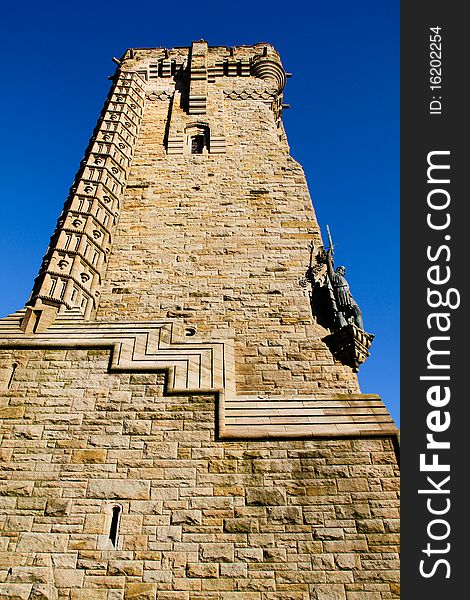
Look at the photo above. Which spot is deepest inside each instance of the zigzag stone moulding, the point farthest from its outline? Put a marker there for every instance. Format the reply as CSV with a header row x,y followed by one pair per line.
x,y
136,346
209,367
70,275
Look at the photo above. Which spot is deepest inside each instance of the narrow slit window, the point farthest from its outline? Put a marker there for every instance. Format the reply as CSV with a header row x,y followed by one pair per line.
x,y
114,527
53,285
14,366
62,291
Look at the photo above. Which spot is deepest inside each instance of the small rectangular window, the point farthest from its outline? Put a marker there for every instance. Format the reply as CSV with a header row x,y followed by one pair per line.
x,y
197,144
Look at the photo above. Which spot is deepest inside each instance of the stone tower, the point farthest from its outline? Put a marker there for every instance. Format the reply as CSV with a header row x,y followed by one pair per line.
x,y
180,416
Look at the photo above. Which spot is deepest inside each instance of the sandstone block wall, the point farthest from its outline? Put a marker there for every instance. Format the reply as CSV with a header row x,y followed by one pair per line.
x,y
172,425
201,518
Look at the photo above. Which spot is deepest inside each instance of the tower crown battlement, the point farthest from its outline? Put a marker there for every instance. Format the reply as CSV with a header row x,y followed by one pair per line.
x,y
220,61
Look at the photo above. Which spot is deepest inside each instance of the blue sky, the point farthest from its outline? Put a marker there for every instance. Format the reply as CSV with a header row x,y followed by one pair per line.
x,y
343,126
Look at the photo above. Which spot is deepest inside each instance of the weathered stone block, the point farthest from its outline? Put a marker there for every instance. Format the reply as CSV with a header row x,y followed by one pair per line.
x,y
18,523
58,507
217,552
88,456
240,525
330,592
201,570
137,427
119,489
15,591
234,570
328,533
249,555
12,412
89,594
16,488
169,533
69,578
187,517
41,591
347,561
265,496
42,542
29,575
285,514
370,526
274,555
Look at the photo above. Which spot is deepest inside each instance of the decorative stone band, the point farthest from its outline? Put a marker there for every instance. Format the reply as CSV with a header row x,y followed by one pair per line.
x,y
265,95
150,346
208,368
70,274
332,415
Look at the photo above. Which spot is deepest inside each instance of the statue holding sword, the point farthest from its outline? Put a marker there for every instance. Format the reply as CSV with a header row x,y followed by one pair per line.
x,y
344,305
